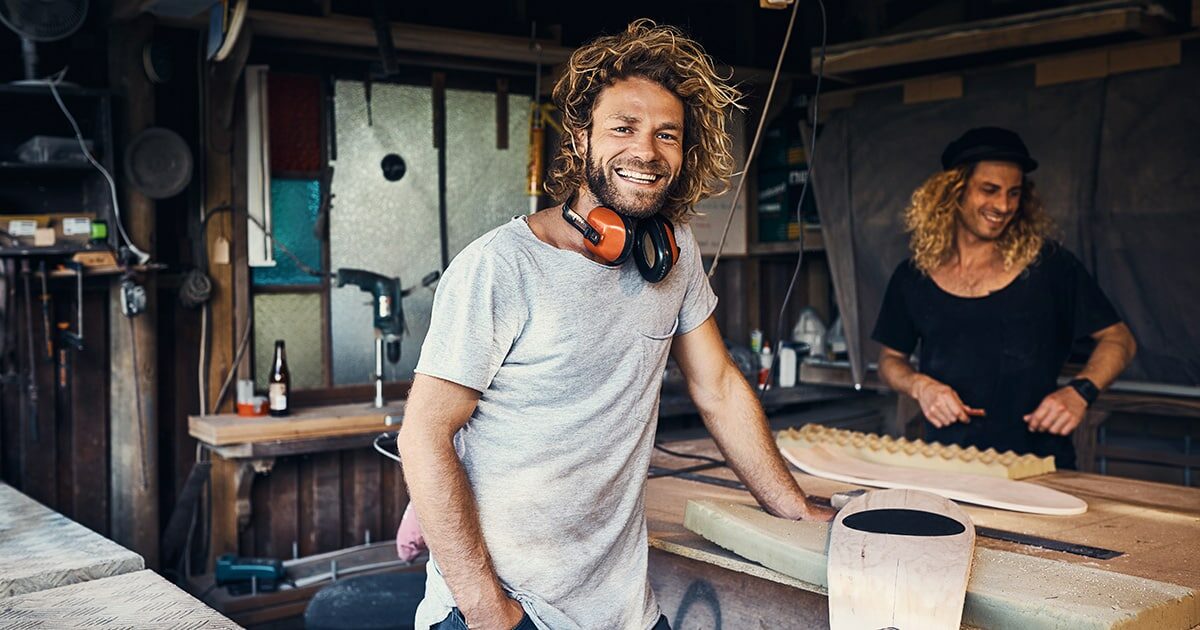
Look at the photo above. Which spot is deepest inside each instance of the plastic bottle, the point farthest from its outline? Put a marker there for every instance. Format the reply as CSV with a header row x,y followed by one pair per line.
x,y
787,367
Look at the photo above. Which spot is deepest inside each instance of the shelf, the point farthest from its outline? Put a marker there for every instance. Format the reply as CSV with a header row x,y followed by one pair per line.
x,y
304,423
25,167
813,242
53,250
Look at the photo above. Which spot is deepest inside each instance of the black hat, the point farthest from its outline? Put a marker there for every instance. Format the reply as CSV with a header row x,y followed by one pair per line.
x,y
988,143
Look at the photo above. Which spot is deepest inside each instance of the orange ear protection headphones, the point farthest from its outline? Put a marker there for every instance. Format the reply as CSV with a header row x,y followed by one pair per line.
x,y
614,238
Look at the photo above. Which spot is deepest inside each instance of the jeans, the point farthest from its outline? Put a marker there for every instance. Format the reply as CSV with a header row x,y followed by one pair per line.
x,y
455,621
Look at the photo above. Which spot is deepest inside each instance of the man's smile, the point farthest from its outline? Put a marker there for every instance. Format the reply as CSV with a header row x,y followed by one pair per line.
x,y
997,219
637,177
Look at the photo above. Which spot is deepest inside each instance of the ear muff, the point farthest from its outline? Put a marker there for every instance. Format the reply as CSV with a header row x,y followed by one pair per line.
x,y
608,235
655,251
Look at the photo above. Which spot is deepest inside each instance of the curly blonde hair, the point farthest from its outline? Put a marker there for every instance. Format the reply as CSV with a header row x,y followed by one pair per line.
x,y
662,54
931,219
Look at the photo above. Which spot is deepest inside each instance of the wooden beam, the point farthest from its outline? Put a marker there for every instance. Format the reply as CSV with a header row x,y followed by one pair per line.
x,y
345,30
134,360
1104,62
1034,29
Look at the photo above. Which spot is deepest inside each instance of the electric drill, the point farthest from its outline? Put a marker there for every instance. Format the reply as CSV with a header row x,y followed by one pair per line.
x,y
389,317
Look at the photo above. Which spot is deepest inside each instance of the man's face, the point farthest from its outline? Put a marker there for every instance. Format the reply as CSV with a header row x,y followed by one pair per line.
x,y
634,147
991,199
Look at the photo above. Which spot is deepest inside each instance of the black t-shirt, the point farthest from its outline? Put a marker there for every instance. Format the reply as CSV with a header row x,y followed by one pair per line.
x,y
1001,352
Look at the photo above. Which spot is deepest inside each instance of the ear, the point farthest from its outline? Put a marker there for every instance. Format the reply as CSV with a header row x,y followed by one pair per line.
x,y
579,142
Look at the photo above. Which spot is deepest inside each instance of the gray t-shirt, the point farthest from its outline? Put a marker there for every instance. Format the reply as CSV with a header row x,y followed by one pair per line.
x,y
569,357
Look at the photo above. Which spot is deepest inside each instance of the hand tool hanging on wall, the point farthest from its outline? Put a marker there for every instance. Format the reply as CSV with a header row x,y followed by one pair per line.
x,y
31,389
45,299
75,339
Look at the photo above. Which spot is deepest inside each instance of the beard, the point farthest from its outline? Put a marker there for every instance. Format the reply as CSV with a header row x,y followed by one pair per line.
x,y
639,204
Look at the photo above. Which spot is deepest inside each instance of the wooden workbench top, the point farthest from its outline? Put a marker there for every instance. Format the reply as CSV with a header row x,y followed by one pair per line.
x,y
304,423
1155,526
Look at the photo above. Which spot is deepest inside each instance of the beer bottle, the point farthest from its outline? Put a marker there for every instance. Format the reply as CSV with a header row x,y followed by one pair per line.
x,y
280,384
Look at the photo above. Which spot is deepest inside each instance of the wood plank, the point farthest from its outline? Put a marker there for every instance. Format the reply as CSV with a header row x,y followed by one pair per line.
x,y
361,512
303,423
223,525
89,390
327,501
884,574
1020,496
1005,590
394,497
1033,29
930,89
1079,67
283,508
1153,55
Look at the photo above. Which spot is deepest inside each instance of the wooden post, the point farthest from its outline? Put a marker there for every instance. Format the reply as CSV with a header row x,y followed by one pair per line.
x,y
225,198
134,359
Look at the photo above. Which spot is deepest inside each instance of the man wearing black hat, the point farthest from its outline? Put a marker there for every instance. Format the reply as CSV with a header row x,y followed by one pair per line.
x,y
994,306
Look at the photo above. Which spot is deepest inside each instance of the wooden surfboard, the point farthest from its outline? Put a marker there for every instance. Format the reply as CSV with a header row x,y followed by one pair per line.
x,y
899,559
1006,494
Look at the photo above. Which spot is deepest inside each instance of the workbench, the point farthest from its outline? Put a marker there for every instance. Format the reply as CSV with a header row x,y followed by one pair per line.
x,y
243,447
42,549
701,585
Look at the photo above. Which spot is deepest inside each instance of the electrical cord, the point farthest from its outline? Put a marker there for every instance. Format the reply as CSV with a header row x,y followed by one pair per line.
x,y
52,83
283,248
237,360
196,289
762,120
812,150
703,458
382,451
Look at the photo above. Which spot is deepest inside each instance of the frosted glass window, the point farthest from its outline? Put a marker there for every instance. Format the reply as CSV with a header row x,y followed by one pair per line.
x,y
296,319
391,228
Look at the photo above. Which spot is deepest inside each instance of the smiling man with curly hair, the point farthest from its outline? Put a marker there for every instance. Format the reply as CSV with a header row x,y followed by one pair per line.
x,y
528,431
994,306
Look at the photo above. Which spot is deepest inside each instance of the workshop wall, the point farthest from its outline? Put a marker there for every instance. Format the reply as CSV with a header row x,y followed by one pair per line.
x,y
57,449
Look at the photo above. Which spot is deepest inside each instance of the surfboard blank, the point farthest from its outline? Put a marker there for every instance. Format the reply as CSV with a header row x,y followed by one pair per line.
x,y
1006,494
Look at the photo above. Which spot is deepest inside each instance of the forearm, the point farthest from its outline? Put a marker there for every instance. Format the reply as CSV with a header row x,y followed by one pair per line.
x,y
1114,350
736,421
900,375
445,505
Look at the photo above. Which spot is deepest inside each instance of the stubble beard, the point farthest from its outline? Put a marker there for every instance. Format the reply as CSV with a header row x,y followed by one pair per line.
x,y
636,205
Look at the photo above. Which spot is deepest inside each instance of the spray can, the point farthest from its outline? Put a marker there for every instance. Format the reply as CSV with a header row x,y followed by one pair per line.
x,y
764,372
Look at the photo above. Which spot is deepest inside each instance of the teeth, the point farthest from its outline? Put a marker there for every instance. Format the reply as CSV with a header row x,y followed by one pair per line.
x,y
645,178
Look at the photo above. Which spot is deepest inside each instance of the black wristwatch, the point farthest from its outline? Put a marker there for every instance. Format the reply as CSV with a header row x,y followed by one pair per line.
x,y
1086,388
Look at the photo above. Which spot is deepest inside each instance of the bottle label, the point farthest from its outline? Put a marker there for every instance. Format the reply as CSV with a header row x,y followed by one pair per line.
x,y
277,393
